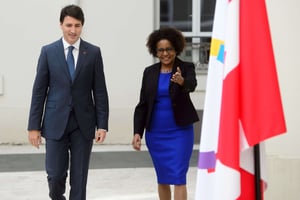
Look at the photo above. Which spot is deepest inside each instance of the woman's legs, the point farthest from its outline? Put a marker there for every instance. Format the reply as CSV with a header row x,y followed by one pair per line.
x,y
180,192
164,192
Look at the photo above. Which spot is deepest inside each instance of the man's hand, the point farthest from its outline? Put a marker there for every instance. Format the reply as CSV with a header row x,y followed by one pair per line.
x,y
34,137
100,135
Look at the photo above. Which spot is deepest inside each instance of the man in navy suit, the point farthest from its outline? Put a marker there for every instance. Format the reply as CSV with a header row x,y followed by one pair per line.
x,y
68,108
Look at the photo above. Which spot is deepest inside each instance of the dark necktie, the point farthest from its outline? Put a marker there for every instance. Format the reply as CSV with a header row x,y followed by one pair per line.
x,y
70,61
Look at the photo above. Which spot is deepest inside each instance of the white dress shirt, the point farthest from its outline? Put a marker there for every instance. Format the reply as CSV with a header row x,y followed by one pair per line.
x,y
75,50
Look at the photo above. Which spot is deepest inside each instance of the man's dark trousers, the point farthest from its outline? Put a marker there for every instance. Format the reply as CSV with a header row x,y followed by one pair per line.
x,y
73,147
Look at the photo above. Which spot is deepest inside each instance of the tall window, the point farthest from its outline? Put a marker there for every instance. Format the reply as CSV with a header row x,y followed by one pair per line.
x,y
195,19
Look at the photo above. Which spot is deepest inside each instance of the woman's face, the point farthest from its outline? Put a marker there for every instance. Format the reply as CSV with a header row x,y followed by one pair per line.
x,y
165,52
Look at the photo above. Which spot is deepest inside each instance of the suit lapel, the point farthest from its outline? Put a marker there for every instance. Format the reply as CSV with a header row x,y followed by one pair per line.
x,y
154,77
61,57
81,57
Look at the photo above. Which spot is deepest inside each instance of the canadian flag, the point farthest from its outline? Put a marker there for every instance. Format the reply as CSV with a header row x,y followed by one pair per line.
x,y
242,104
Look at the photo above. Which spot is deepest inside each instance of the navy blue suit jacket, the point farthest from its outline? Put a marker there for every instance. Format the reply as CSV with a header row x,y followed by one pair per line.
x,y
54,94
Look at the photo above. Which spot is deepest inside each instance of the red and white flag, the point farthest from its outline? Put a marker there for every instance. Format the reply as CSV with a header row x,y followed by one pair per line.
x,y
242,104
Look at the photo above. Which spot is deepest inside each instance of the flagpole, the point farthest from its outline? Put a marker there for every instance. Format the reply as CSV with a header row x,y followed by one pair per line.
x,y
258,194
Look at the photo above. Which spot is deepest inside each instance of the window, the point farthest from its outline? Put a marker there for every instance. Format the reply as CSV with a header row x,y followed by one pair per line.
x,y
195,19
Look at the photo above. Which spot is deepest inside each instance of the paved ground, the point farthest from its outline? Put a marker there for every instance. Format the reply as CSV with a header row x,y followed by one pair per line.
x,y
116,173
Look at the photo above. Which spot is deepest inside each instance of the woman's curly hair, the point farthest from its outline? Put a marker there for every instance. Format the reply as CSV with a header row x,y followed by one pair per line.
x,y
174,36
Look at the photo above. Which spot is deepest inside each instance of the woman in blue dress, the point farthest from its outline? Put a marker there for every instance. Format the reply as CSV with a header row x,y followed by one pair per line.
x,y
166,113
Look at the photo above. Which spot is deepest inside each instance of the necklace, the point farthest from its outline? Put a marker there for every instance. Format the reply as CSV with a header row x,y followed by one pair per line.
x,y
165,70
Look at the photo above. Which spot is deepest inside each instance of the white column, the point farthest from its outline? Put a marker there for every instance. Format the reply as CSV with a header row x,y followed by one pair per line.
x,y
1,85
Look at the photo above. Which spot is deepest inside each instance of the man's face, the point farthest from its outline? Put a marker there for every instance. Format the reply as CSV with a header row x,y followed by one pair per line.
x,y
71,29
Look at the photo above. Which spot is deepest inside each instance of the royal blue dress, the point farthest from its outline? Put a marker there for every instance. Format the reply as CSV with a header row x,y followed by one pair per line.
x,y
170,146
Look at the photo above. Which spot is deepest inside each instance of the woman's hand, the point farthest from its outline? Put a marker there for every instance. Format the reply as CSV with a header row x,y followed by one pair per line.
x,y
177,78
136,142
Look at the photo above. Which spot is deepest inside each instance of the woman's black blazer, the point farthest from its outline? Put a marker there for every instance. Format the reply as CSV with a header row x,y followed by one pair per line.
x,y
183,108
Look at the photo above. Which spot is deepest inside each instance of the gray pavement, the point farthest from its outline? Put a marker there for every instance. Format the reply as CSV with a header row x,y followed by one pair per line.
x,y
116,173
